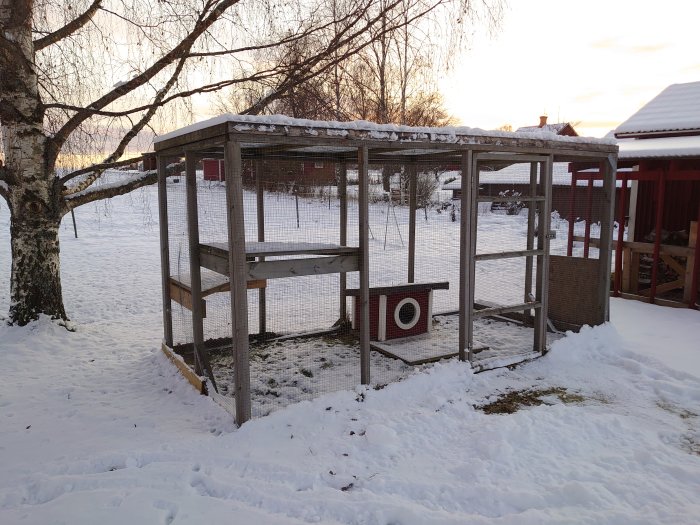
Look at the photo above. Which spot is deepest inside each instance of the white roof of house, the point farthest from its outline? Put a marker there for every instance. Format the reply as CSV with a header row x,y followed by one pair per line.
x,y
520,174
684,146
515,174
554,128
676,108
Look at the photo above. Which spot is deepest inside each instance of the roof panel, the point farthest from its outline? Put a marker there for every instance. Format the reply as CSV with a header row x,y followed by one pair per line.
x,y
676,108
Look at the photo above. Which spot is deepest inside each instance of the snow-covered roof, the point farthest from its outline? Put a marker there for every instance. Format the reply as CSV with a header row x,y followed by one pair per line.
x,y
515,174
456,135
675,109
554,128
520,174
683,146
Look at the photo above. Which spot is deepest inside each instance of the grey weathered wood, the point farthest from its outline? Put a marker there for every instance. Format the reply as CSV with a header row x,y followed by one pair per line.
x,y
305,135
609,170
260,200
343,197
412,204
164,251
300,267
202,366
237,272
466,263
486,312
400,288
485,158
506,255
510,199
258,249
473,221
531,209
363,212
542,278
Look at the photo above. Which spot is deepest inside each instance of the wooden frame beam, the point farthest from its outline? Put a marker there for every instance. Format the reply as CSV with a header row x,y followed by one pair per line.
x,y
237,273
363,175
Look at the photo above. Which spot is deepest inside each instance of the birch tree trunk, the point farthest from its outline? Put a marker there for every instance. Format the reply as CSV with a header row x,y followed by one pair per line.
x,y
35,207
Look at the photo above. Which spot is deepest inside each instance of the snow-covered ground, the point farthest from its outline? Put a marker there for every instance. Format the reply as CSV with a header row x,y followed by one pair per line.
x,y
97,426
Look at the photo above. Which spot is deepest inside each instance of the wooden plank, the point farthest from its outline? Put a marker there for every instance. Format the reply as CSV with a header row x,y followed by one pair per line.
x,y
664,287
199,383
506,255
363,233
183,296
343,197
644,247
466,262
164,249
412,203
530,243
280,249
542,277
260,209
690,263
498,310
658,301
626,269
634,271
202,365
401,288
609,170
237,271
674,265
299,267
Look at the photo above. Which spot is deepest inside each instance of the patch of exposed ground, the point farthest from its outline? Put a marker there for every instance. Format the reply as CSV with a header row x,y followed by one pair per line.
x,y
511,402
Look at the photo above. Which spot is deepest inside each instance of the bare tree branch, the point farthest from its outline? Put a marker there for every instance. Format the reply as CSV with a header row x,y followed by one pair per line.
x,y
69,28
99,168
98,193
135,129
206,19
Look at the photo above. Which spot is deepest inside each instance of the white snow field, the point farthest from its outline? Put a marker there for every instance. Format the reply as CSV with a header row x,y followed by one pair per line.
x,y
97,427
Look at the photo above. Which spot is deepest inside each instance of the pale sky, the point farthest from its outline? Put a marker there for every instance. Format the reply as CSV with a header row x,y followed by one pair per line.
x,y
595,62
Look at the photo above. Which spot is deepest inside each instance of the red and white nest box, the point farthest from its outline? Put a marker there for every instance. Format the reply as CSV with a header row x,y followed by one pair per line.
x,y
397,311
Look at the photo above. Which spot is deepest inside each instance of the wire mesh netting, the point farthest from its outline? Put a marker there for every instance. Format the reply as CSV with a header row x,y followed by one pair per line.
x,y
300,346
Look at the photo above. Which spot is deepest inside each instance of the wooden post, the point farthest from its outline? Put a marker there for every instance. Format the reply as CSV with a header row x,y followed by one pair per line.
x,y
412,203
343,197
620,236
260,201
542,277
660,197
696,265
202,366
608,169
363,175
531,208
572,216
466,260
589,210
237,278
164,251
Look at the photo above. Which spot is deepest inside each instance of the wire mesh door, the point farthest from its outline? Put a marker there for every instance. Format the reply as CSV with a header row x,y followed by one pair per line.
x,y
508,259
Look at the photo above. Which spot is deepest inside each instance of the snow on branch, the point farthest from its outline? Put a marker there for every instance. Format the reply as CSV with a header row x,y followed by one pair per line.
x,y
98,168
112,189
69,28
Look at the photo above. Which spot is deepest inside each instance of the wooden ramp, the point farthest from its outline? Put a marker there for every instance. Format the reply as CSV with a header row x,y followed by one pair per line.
x,y
508,343
421,349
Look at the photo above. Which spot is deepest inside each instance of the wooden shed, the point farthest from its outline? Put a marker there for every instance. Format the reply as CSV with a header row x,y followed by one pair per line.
x,y
659,260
